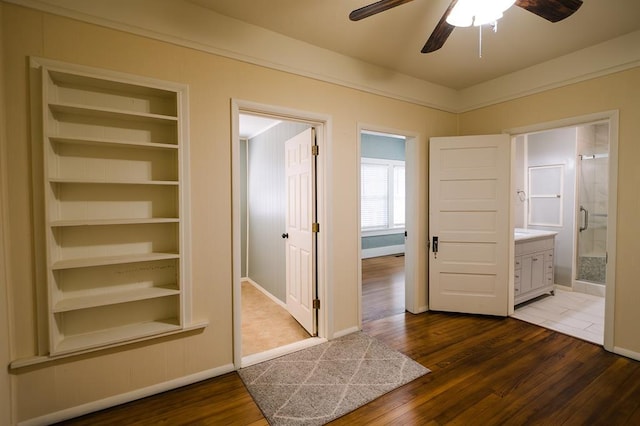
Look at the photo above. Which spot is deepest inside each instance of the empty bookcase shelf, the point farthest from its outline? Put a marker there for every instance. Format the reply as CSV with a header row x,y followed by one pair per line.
x,y
114,190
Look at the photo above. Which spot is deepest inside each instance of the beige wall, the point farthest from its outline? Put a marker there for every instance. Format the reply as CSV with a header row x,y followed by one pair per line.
x,y
5,358
620,91
213,81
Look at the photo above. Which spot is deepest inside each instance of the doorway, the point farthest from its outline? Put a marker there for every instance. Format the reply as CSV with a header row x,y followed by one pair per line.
x,y
382,224
265,323
392,259
584,153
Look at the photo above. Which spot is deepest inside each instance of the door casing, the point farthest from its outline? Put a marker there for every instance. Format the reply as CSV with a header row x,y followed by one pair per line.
x,y
322,123
415,208
612,117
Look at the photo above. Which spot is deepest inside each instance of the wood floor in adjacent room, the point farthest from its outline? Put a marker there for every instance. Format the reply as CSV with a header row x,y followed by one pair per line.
x,y
485,371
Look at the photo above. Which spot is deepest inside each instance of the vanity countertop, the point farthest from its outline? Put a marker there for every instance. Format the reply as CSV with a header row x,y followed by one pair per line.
x,y
520,234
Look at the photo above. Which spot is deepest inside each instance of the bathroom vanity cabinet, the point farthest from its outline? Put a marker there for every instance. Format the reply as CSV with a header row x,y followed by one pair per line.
x,y
534,266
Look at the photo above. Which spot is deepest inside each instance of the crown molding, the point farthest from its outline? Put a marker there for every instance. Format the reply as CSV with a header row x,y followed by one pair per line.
x,y
187,24
609,57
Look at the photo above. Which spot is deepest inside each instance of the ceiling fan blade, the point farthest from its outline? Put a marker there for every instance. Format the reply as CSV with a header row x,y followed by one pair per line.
x,y
373,8
551,10
440,33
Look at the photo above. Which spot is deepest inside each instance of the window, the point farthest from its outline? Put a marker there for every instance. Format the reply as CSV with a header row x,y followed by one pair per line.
x,y
382,194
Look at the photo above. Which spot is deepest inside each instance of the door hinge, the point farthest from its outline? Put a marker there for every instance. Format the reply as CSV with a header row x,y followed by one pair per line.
x,y
314,150
315,227
316,303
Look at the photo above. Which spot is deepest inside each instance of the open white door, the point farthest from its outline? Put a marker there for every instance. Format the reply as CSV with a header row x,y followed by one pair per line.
x,y
299,233
469,224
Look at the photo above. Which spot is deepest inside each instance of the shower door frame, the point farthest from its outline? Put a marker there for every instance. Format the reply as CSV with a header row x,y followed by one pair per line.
x,y
612,117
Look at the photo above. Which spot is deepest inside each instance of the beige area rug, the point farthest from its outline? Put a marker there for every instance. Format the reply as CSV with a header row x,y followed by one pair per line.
x,y
265,324
321,383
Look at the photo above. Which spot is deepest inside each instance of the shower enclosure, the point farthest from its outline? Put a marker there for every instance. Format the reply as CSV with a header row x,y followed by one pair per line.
x,y
592,207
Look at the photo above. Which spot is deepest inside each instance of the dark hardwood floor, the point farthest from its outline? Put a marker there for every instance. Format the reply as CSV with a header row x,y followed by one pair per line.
x,y
485,371
382,287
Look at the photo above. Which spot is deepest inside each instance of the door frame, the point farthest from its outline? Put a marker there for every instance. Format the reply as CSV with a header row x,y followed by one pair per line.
x,y
415,208
322,123
612,117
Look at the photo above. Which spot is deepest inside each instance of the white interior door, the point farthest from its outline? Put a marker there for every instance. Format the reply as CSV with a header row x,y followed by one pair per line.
x,y
300,241
469,217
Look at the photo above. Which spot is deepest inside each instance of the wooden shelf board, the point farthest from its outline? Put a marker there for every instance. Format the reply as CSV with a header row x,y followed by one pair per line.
x,y
104,299
112,142
104,222
115,335
111,260
123,182
111,113
63,78
17,364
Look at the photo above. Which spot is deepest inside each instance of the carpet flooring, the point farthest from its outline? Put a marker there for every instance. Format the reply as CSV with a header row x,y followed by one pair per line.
x,y
318,384
265,324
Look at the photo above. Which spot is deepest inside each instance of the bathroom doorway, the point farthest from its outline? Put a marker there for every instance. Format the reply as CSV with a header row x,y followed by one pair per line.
x,y
578,211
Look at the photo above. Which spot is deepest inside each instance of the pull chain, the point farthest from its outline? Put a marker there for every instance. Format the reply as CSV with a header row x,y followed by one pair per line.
x,y
494,26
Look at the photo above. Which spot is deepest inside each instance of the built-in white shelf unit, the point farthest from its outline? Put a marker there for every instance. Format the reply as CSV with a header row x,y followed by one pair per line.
x,y
114,152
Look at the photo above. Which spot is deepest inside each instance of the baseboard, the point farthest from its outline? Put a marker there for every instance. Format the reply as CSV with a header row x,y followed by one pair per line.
x,y
627,353
112,401
280,351
382,251
266,293
345,332
420,310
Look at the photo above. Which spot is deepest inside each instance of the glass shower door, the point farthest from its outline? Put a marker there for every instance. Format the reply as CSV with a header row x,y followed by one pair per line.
x,y
593,172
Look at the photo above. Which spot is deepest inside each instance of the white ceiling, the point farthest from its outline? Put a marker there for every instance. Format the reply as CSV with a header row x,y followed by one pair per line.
x,y
252,125
393,39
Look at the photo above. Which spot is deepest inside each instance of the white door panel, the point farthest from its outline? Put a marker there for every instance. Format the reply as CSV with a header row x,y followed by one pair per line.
x,y
299,244
469,213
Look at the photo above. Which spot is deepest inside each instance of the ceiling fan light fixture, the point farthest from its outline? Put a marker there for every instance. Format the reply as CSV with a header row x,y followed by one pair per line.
x,y
477,12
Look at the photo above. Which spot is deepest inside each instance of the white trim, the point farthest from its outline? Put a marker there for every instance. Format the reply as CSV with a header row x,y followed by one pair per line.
x,y
280,351
265,292
421,309
382,251
627,353
214,33
323,135
122,398
612,56
380,232
42,359
612,116
346,332
612,227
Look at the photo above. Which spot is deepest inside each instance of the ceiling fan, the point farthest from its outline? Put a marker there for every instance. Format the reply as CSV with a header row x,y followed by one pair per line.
x,y
551,10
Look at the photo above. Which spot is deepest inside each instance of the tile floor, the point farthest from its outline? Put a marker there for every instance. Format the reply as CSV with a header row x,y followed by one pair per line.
x,y
576,314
